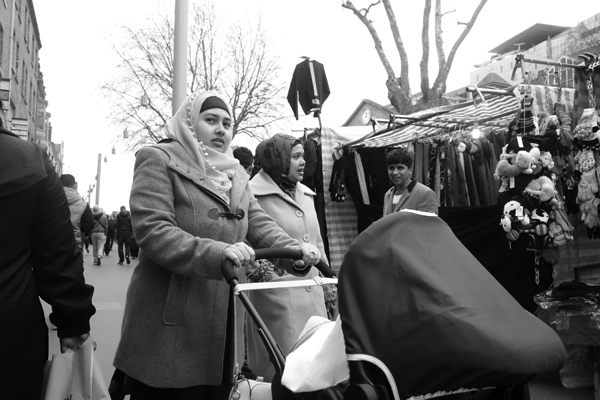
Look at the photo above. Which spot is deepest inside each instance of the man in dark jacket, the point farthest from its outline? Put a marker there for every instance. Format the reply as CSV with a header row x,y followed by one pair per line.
x,y
110,232
124,232
39,258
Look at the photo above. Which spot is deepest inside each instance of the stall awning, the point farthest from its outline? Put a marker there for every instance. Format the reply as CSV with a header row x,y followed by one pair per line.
x,y
496,111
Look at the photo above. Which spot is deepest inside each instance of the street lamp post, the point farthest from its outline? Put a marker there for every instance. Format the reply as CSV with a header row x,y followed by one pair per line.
x,y
98,172
180,54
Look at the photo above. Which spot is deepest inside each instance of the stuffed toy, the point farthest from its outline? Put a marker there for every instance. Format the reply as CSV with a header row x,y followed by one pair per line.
x,y
523,161
542,188
546,160
515,216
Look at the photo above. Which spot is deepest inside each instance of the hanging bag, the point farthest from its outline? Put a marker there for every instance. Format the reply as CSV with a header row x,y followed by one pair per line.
x,y
318,360
75,375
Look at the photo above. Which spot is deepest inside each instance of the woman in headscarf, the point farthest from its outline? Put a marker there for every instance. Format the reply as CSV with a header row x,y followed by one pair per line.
x,y
191,209
279,192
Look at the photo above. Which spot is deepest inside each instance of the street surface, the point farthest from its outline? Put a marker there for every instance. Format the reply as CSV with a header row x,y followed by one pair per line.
x,y
111,281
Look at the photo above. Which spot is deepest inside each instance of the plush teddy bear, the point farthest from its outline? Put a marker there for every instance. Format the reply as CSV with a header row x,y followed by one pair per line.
x,y
523,160
542,188
546,160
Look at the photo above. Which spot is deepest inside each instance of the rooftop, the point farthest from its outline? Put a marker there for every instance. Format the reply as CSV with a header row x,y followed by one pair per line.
x,y
530,37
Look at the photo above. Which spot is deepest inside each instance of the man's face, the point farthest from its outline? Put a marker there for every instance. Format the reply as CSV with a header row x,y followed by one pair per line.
x,y
399,174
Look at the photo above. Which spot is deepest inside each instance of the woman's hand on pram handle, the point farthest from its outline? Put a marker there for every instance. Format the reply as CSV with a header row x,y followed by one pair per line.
x,y
291,253
240,254
310,256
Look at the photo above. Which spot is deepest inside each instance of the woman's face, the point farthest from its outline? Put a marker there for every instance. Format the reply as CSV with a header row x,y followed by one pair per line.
x,y
214,129
297,164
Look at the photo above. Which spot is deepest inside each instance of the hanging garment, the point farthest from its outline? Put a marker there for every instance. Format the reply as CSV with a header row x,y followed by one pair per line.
x,y
437,187
461,186
470,177
418,162
360,174
308,87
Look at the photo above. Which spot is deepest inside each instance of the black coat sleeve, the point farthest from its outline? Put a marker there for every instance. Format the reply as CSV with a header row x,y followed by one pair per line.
x,y
87,221
58,262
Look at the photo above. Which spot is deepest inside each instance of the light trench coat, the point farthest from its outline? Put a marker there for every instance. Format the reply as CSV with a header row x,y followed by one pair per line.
x,y
175,321
285,311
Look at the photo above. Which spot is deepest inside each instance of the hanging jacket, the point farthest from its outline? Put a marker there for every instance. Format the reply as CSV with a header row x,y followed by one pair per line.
x,y
302,87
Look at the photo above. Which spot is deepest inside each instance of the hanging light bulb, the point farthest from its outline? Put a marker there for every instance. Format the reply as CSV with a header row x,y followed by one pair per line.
x,y
105,159
125,133
476,133
114,151
145,101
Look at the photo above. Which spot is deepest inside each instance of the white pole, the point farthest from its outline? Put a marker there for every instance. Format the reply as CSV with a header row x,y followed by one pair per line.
x,y
180,54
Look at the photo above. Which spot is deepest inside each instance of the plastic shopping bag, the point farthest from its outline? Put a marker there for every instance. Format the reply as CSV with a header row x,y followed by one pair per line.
x,y
318,360
75,375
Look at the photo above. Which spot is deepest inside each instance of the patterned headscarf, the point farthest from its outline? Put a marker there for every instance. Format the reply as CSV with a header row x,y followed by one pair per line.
x,y
219,167
274,156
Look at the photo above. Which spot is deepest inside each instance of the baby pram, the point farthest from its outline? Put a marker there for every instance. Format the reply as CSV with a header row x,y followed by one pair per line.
x,y
422,319
276,356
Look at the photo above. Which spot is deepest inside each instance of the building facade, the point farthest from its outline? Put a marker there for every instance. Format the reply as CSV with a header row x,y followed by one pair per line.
x,y
544,43
22,95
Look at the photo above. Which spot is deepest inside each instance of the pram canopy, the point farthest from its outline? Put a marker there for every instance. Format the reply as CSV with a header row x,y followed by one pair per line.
x,y
413,296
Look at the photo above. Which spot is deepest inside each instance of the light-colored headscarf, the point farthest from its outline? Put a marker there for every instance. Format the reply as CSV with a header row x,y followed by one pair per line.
x,y
219,167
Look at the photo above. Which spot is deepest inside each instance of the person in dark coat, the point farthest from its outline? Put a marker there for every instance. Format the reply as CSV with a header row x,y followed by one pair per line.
x,y
124,234
39,258
110,232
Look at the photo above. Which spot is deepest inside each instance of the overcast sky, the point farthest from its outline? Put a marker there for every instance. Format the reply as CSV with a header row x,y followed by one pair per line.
x,y
76,59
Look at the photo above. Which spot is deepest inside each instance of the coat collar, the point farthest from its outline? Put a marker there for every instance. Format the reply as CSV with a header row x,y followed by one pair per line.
x,y
262,185
180,161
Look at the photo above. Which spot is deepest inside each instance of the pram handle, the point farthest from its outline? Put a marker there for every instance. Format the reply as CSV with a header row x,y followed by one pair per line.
x,y
229,271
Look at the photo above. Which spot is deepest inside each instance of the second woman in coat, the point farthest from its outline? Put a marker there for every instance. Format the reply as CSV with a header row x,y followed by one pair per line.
x,y
279,192
191,209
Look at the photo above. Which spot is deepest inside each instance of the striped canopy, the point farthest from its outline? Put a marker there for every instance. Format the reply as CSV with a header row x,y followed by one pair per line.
x,y
497,111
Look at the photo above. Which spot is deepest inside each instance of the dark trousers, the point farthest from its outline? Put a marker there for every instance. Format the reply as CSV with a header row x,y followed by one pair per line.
x,y
123,238
108,245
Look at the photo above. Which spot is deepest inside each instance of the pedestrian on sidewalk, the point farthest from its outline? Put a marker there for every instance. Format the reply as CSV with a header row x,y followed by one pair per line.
x,y
191,209
110,232
124,234
98,234
39,258
82,218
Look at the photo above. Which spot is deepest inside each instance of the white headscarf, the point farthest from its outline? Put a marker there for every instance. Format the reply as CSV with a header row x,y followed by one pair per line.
x,y
219,167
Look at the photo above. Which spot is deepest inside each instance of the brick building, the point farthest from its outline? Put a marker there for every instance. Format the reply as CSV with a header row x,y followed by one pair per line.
x,y
22,95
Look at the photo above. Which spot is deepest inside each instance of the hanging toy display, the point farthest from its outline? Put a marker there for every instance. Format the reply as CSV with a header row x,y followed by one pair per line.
x,y
539,214
587,144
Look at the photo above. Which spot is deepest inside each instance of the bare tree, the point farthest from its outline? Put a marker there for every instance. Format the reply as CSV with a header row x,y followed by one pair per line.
x,y
582,39
399,91
235,63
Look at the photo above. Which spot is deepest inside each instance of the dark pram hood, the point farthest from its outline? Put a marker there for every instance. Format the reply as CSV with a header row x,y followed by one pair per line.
x,y
413,296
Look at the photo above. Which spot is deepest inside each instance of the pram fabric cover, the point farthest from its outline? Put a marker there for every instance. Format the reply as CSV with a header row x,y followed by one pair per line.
x,y
413,296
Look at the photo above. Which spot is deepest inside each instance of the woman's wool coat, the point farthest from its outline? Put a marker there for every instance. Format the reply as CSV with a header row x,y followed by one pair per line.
x,y
175,320
285,311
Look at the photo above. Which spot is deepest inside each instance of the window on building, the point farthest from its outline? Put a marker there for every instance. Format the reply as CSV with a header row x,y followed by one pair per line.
x,y
23,80
26,35
1,44
17,51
